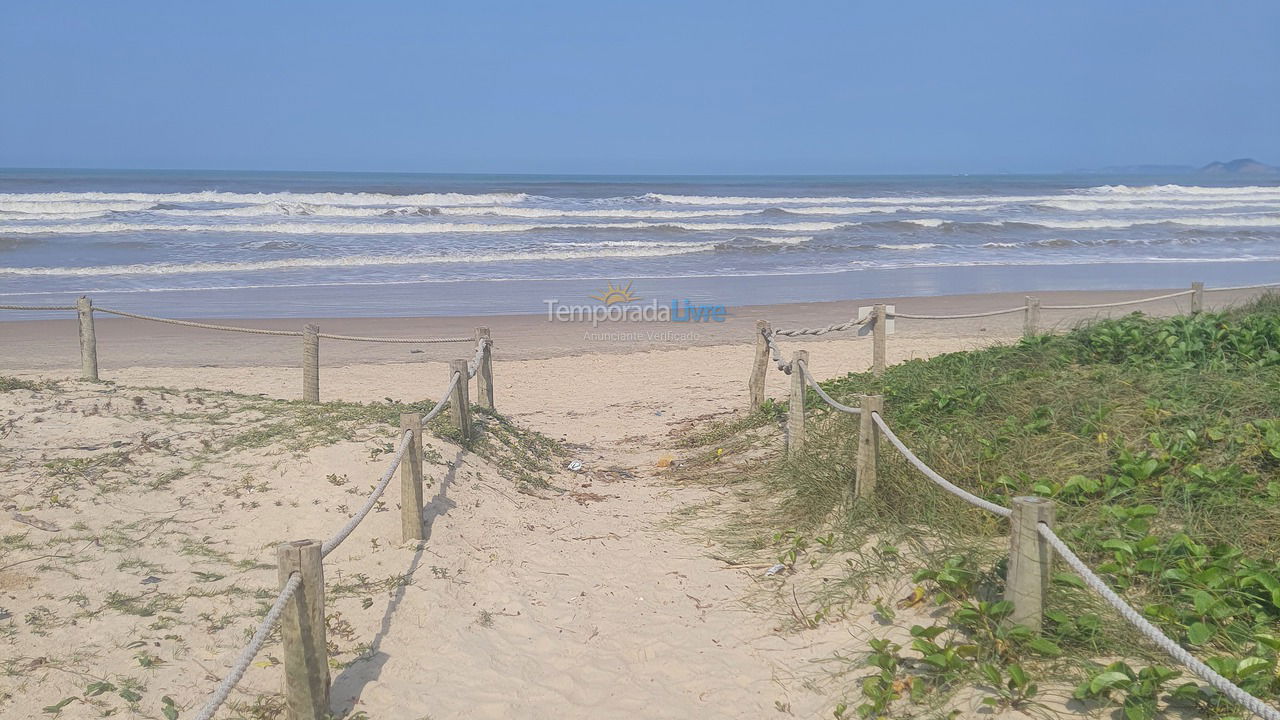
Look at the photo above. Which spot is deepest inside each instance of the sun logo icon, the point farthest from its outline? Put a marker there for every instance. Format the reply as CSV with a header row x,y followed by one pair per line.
x,y
614,295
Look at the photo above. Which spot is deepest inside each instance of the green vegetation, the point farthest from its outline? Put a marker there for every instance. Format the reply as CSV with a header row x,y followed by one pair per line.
x,y
8,384
1159,439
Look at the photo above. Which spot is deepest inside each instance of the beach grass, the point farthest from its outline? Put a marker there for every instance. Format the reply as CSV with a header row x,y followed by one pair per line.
x,y
1158,440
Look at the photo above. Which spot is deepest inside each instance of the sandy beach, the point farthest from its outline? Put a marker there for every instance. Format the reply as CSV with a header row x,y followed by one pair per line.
x,y
592,600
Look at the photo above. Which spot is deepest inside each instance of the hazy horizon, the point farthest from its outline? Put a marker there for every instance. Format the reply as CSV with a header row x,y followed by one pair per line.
x,y
1136,169
664,88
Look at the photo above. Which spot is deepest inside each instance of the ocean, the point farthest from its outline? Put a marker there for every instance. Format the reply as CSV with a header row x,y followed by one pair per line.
x,y
277,244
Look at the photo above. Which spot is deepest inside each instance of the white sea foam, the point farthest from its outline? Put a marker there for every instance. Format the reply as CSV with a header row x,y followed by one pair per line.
x,y
64,216
1083,205
1161,190
213,196
407,228
908,246
58,207
500,211
1269,220
586,253
829,201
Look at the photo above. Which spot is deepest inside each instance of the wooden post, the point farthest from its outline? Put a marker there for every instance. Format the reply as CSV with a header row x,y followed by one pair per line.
x,y
795,406
755,386
1197,298
879,331
484,373
864,481
411,480
88,340
311,363
302,630
1031,316
1030,560
460,401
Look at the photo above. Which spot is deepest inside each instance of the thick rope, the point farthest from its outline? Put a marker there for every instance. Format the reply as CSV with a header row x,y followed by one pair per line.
x,y
251,650
989,313
403,341
1152,633
407,439
804,370
1243,287
206,326
332,543
444,400
837,327
934,476
36,308
776,352
1117,304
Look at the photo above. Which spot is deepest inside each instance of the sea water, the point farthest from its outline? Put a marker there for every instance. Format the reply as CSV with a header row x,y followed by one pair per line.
x,y
230,244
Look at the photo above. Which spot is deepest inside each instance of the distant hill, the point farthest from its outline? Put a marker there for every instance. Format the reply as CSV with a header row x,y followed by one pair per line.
x,y
1242,166
1137,170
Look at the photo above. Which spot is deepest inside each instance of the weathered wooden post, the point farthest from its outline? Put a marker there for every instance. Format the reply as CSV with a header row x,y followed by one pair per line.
x,y
880,331
484,372
460,399
88,340
755,386
1197,298
411,480
311,363
302,630
864,480
1031,316
795,406
1030,560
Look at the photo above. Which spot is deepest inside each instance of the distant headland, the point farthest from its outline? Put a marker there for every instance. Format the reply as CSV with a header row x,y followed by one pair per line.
x,y
1239,167
1242,166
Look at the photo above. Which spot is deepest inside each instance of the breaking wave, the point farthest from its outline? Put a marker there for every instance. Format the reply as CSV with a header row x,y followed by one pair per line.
x,y
585,253
406,228
213,196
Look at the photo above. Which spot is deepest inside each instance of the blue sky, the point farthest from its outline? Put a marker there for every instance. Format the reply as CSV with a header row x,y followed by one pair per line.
x,y
644,87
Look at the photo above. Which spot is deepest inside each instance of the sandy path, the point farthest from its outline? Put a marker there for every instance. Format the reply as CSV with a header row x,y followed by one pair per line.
x,y
564,608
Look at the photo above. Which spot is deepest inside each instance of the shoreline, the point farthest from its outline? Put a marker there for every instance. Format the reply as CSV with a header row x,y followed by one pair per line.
x,y
38,345
464,297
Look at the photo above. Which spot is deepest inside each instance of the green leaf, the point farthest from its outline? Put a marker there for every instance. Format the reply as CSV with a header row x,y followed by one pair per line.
x,y
1199,633
1107,681
130,695
97,688
57,708
1045,647
1139,708
1066,578
1251,665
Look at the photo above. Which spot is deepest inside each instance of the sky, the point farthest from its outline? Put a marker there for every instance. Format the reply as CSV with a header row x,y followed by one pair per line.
x,y
654,87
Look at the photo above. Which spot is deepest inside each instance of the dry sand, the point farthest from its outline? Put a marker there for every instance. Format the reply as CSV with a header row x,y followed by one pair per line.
x,y
162,519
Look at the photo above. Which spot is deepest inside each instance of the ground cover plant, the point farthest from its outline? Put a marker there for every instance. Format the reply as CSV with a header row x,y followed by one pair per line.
x,y
1159,440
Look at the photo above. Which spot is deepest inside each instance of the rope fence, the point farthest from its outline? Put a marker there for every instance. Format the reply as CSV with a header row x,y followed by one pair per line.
x,y
250,651
301,566
879,323
1032,539
298,608
310,334
1121,303
1153,633
37,308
